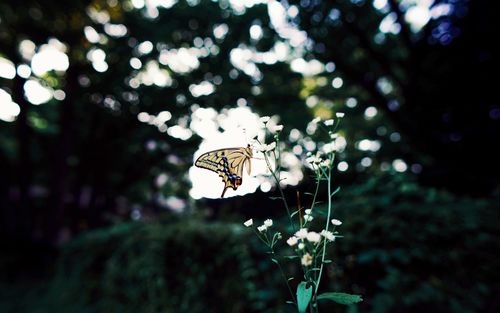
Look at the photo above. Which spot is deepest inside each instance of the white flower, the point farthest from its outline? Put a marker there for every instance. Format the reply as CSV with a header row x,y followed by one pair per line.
x,y
314,159
308,218
307,211
248,223
313,237
336,222
334,136
266,148
301,246
325,163
265,119
328,122
328,235
262,228
340,114
306,260
276,129
316,120
292,241
301,233
268,223
261,147
271,146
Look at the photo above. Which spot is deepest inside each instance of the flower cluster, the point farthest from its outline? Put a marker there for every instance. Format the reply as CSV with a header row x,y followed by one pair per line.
x,y
263,233
273,128
307,242
309,246
267,224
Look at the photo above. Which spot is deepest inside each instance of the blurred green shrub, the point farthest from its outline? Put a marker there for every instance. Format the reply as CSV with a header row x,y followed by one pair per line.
x,y
407,249
176,266
414,249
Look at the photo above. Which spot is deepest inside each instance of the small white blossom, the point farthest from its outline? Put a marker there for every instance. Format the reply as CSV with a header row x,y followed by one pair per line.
x,y
314,159
336,222
328,235
248,223
301,246
266,148
313,237
308,211
340,114
260,147
278,128
325,163
328,122
301,233
308,218
316,120
306,260
268,223
334,136
262,228
292,241
265,119
271,146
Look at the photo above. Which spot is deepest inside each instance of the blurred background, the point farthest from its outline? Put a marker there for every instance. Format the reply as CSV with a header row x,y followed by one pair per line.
x,y
104,104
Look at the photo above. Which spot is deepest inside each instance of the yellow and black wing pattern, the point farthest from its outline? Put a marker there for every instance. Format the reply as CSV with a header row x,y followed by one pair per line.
x,y
228,163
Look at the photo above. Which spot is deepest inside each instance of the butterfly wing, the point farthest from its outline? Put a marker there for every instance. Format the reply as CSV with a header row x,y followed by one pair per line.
x,y
228,164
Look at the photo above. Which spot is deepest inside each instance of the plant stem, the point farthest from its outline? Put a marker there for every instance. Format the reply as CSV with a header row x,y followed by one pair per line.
x,y
284,276
273,173
315,193
329,180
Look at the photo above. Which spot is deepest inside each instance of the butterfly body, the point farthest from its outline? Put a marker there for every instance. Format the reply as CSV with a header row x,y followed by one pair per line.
x,y
228,164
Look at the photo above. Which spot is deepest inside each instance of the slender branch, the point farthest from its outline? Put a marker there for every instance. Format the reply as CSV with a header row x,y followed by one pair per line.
x,y
280,189
318,182
284,276
326,229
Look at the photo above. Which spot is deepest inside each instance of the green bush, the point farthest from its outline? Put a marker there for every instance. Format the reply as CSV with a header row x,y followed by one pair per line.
x,y
406,249
160,267
413,249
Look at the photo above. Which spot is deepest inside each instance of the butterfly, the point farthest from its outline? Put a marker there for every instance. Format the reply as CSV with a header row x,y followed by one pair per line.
x,y
228,163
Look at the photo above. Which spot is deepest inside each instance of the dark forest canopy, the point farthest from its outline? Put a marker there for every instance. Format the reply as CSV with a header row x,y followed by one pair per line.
x,y
414,81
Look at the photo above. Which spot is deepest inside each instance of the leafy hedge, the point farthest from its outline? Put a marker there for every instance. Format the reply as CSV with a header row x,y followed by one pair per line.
x,y
413,249
160,267
406,249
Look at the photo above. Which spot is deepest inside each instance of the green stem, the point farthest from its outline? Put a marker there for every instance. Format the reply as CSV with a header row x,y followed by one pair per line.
x,y
273,173
316,192
284,276
326,229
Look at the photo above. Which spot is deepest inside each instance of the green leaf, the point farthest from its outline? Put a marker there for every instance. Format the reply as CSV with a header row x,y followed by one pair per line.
x,y
291,257
314,269
327,261
275,198
340,297
303,296
275,261
291,215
